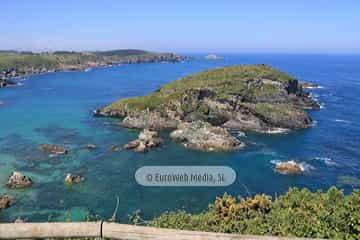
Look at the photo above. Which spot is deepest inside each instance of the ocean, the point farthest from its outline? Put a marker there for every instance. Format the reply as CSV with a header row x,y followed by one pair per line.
x,y
57,108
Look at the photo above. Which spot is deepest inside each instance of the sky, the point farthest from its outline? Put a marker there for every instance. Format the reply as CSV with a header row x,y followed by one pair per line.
x,y
284,26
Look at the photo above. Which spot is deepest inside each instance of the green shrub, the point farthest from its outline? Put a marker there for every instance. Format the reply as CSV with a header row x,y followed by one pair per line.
x,y
298,213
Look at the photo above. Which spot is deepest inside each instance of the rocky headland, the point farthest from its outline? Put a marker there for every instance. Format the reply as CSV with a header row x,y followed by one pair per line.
x,y
242,97
18,64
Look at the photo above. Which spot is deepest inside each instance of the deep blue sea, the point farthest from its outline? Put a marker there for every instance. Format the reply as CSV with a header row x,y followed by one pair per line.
x,y
56,108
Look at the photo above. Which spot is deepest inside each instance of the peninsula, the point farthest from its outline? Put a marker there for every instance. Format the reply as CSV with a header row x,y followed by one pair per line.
x,y
202,107
17,64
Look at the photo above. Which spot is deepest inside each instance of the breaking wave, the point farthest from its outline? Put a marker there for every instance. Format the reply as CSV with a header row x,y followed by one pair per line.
x,y
342,121
275,130
327,161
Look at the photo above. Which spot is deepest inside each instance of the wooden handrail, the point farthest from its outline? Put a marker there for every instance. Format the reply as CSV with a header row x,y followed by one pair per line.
x,y
111,231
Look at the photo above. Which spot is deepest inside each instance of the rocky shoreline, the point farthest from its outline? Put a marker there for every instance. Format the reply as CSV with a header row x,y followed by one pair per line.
x,y
242,98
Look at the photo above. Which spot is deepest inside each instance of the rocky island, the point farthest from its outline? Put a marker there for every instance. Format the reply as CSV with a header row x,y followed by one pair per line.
x,y
17,64
213,57
242,97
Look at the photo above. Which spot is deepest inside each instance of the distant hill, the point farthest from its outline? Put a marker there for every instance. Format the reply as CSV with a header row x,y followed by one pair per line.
x,y
14,63
121,52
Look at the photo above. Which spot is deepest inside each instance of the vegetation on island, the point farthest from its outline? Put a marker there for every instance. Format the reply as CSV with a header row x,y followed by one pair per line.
x,y
226,82
253,97
299,212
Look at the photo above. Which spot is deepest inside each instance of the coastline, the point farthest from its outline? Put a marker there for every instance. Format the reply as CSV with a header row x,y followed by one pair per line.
x,y
79,61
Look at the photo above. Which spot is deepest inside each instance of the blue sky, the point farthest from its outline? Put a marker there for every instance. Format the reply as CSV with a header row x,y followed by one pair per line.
x,y
293,26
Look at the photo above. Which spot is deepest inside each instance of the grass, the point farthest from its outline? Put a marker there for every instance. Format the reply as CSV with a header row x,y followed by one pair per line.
x,y
224,81
151,102
227,79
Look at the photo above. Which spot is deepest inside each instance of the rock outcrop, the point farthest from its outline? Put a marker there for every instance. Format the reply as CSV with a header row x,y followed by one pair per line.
x,y
243,98
149,120
19,220
289,168
6,83
213,57
114,148
18,180
249,97
309,85
90,146
205,137
147,139
5,201
50,148
72,178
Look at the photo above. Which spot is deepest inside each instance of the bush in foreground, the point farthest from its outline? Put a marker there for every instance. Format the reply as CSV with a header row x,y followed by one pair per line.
x,y
298,213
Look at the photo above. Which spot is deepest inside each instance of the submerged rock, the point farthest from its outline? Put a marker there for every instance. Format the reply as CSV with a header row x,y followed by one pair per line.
x,y
6,83
147,139
90,146
114,148
72,178
53,149
18,180
289,168
205,137
5,201
19,220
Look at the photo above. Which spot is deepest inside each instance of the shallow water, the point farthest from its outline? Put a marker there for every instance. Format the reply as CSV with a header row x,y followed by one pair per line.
x,y
56,108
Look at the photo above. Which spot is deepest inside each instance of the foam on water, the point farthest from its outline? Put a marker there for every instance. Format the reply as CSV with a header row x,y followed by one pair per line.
x,y
241,134
276,131
342,121
327,161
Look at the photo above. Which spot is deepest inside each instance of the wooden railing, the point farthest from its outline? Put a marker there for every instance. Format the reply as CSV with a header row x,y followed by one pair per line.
x,y
108,230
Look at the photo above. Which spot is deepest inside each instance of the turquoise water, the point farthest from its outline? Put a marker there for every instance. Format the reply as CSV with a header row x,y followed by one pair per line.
x,y
56,108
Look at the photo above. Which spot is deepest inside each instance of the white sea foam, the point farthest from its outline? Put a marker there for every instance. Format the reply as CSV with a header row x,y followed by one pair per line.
x,y
276,162
275,130
315,96
306,167
241,134
327,161
342,121
314,123
315,87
